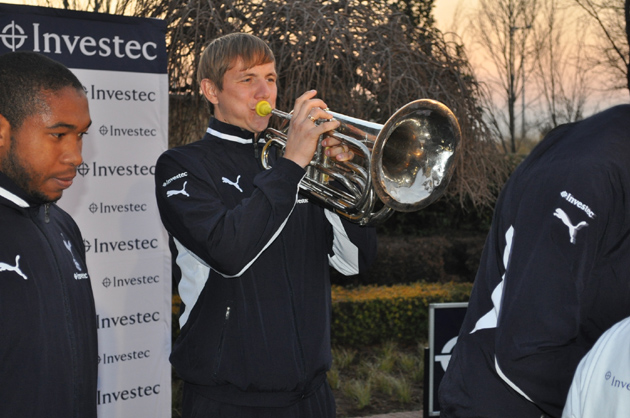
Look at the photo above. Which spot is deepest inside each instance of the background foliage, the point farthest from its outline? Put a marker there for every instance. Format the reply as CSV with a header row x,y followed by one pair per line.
x,y
366,58
373,315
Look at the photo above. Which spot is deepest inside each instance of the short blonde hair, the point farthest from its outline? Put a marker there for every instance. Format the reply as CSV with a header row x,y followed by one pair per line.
x,y
220,55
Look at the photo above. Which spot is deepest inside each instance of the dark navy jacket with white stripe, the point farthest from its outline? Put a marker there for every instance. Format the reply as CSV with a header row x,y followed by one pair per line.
x,y
554,275
48,349
253,258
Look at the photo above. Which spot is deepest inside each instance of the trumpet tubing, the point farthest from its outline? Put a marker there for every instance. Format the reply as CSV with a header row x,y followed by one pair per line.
x,y
403,165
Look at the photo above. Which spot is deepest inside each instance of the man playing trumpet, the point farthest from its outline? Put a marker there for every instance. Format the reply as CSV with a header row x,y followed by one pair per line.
x,y
253,255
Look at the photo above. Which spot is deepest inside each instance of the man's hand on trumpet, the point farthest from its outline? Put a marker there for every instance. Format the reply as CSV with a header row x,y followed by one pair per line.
x,y
304,132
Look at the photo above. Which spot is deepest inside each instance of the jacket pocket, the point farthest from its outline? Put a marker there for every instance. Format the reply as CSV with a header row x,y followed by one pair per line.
x,y
220,347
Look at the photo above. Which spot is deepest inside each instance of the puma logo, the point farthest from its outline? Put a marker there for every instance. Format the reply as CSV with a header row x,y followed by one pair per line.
x,y
15,269
233,183
182,191
559,213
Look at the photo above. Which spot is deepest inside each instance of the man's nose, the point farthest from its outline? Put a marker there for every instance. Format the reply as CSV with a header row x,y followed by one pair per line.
x,y
263,89
72,153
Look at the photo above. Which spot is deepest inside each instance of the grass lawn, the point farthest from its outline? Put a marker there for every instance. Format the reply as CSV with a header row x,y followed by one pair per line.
x,y
367,381
376,380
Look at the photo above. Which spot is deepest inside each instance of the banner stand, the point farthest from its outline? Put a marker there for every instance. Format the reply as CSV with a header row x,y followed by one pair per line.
x,y
121,62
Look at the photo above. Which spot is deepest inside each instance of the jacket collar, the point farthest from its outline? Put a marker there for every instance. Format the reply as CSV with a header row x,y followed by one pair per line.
x,y
231,133
9,191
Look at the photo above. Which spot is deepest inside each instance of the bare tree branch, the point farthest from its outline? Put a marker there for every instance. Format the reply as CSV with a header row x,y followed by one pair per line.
x,y
610,17
501,28
366,58
561,70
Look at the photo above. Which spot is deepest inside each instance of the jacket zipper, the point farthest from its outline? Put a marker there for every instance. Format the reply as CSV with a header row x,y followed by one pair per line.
x,y
223,331
64,291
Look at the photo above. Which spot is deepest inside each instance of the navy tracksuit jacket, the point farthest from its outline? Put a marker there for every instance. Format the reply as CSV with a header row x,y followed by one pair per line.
x,y
253,260
48,348
554,274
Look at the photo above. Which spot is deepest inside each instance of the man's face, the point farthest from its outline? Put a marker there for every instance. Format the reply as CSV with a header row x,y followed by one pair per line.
x,y
41,155
243,88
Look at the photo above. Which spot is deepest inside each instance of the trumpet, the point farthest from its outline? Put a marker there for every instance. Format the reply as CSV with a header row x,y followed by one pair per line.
x,y
403,165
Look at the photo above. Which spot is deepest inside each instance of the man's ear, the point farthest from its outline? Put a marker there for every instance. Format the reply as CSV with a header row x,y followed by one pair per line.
x,y
5,132
209,90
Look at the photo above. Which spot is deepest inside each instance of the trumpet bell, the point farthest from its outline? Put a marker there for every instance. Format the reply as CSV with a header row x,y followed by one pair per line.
x,y
412,157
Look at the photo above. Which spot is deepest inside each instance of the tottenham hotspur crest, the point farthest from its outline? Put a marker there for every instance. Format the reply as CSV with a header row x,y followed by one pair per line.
x,y
68,245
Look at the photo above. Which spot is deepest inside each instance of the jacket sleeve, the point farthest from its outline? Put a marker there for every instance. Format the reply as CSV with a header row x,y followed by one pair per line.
x,y
228,239
554,259
354,246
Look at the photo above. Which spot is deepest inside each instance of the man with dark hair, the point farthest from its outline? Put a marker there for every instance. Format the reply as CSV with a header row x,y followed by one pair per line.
x,y
554,274
48,348
20,91
253,256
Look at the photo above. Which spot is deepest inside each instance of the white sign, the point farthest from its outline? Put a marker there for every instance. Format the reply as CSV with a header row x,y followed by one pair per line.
x,y
121,62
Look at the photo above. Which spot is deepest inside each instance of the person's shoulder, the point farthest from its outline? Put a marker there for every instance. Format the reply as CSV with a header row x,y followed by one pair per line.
x,y
598,139
613,121
193,146
194,150
608,134
607,349
619,110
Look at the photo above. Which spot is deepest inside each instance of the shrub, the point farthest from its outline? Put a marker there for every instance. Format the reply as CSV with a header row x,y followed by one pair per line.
x,y
369,315
410,259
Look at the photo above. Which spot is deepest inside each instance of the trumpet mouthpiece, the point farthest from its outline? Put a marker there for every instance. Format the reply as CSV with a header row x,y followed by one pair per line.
x,y
263,108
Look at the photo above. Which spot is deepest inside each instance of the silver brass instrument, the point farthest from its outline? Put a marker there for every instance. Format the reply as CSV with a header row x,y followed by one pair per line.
x,y
403,165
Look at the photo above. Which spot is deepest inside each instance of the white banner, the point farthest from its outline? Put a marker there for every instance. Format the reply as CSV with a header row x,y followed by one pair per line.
x,y
121,62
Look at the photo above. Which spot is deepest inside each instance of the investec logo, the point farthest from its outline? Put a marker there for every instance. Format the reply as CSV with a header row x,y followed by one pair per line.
x,y
137,318
130,281
108,358
115,131
137,244
103,398
14,37
106,208
97,170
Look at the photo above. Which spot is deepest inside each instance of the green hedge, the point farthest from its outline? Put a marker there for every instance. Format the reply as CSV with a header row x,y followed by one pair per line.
x,y
435,259
369,315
